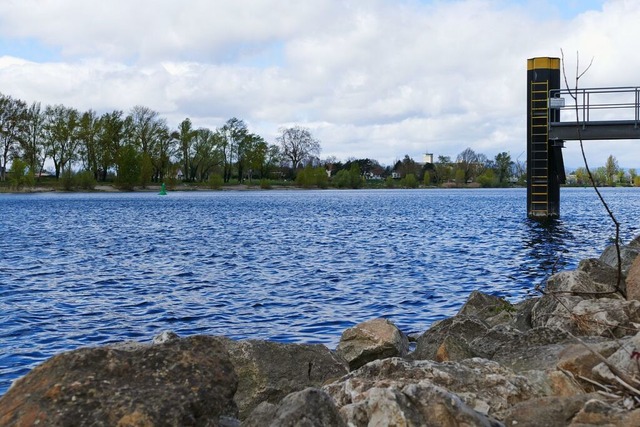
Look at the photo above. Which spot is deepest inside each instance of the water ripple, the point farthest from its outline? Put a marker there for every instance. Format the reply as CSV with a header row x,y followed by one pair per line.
x,y
290,266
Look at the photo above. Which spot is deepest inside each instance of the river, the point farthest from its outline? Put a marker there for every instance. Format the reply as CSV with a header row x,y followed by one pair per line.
x,y
301,266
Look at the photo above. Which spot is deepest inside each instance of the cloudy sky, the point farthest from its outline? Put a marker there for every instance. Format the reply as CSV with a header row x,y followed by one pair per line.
x,y
370,78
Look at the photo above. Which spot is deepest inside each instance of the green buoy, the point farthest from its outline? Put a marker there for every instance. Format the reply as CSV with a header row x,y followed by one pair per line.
x,y
163,191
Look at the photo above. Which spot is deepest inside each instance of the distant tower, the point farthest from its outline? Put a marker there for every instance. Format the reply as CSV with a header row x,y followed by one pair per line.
x,y
427,158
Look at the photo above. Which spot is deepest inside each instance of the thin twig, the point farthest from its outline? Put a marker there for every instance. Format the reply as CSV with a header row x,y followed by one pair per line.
x,y
586,164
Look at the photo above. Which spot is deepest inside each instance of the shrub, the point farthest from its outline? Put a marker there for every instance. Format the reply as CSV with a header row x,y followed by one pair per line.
x,y
215,182
410,181
85,180
265,184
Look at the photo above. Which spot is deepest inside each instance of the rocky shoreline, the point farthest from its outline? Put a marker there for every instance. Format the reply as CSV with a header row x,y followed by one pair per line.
x,y
570,357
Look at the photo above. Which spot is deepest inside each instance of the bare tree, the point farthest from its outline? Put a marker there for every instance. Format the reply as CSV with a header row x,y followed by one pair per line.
x,y
298,144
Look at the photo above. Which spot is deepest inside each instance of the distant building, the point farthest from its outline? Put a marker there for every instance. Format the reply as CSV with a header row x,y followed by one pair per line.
x,y
427,158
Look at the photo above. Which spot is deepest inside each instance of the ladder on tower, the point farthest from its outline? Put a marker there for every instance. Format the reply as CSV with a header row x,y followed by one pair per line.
x,y
539,155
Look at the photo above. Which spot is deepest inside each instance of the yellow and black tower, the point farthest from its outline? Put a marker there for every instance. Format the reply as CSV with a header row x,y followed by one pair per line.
x,y
545,166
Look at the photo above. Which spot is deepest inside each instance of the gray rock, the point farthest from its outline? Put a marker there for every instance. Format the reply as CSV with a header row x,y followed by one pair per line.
x,y
413,405
459,327
522,317
601,273
309,408
632,283
625,359
268,371
372,340
581,283
165,336
553,311
188,381
482,385
627,255
485,306
546,411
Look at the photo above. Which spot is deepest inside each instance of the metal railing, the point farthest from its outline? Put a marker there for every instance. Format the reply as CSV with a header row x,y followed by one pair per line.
x,y
599,104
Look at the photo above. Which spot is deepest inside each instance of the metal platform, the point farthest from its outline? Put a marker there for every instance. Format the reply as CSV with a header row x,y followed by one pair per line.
x,y
596,113
594,130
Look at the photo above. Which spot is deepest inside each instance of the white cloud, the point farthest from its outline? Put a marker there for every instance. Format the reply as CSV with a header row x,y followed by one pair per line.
x,y
377,79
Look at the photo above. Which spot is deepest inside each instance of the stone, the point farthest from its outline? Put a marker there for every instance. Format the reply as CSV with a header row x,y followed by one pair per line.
x,y
165,336
633,281
596,412
372,340
627,255
522,317
482,385
601,273
535,349
453,349
625,359
580,360
587,317
188,381
458,327
546,411
310,407
485,306
553,311
580,283
269,371
413,405
606,317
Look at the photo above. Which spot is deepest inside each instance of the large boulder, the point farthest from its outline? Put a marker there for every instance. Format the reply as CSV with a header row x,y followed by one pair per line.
x,y
482,385
633,281
547,411
187,381
628,254
414,405
624,360
581,283
602,274
372,340
310,407
488,308
268,371
459,329
587,317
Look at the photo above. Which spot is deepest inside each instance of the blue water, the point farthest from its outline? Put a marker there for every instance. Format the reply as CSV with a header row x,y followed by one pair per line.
x,y
290,266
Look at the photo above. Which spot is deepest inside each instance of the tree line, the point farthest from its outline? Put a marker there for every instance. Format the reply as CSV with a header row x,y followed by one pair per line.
x,y
610,174
139,147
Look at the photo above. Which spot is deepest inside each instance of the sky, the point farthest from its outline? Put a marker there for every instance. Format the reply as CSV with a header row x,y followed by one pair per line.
x,y
369,78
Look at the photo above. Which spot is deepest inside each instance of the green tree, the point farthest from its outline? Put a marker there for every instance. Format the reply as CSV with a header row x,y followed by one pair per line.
x,y
12,127
87,134
443,169
128,167
426,179
231,136
503,167
20,177
488,179
146,170
410,181
611,169
62,136
111,133
185,136
33,143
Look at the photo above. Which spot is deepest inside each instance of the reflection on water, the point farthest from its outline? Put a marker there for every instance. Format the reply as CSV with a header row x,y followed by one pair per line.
x,y
292,266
